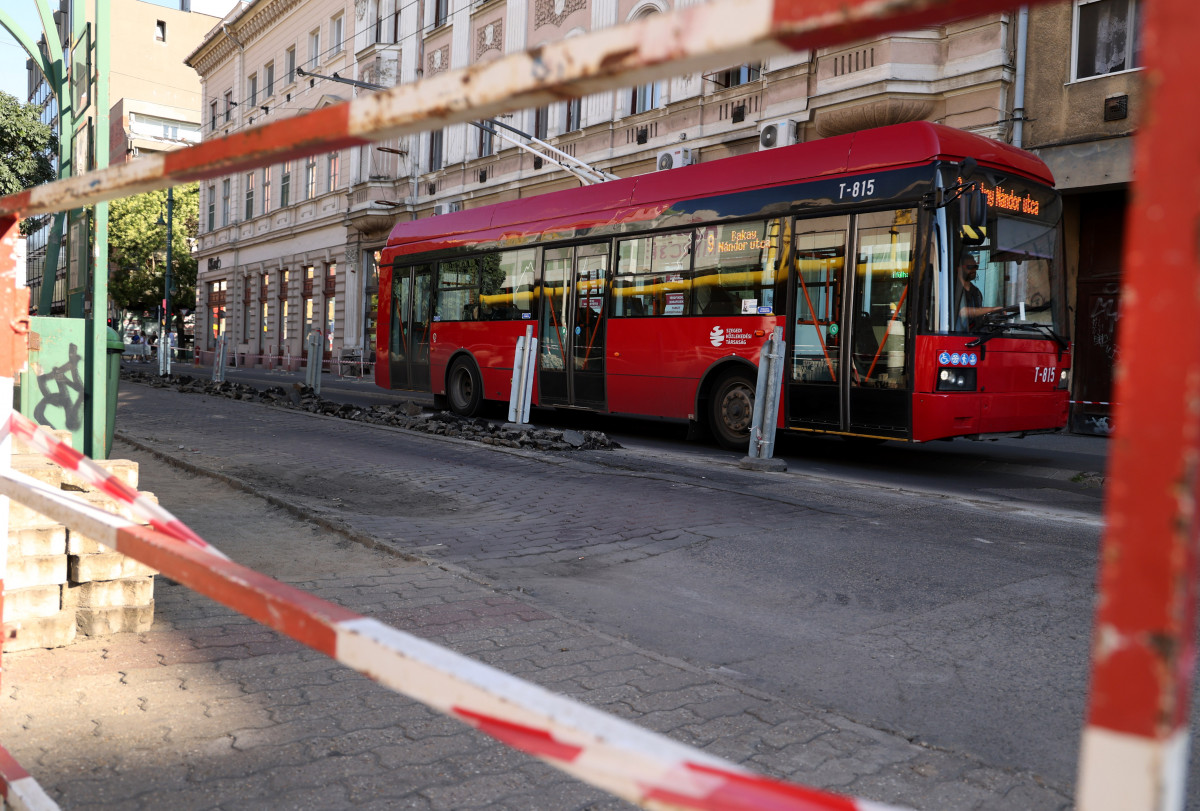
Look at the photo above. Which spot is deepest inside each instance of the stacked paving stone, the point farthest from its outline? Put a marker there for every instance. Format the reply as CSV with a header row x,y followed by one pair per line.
x,y
61,583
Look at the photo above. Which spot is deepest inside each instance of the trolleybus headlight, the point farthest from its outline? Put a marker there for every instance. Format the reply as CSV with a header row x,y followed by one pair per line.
x,y
956,379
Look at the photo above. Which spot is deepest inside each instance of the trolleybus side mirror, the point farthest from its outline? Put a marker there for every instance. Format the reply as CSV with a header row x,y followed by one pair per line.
x,y
973,213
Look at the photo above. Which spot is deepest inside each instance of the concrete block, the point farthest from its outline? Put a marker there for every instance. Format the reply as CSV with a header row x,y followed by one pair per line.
x,y
40,632
129,591
125,470
36,601
109,566
111,505
115,620
61,434
36,570
21,517
44,541
40,468
78,544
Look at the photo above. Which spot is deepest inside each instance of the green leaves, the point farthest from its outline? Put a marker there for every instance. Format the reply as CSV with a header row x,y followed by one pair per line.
x,y
27,146
137,249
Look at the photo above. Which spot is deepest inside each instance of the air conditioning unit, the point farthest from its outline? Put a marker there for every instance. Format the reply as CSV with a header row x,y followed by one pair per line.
x,y
777,133
447,208
674,158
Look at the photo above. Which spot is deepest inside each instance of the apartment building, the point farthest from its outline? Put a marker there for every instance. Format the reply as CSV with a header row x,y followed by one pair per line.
x,y
291,249
1084,93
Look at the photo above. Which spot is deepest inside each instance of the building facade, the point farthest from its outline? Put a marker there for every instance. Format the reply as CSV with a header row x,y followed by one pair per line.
x,y
155,98
290,250
1084,84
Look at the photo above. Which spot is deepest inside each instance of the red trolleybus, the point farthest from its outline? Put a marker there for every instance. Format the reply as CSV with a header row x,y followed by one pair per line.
x,y
916,270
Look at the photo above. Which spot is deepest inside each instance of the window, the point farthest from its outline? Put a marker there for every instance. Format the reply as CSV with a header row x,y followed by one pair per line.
x,y
334,172
314,48
486,148
335,35
285,185
653,276
225,202
228,104
734,268
310,177
290,61
441,12
736,76
435,150
646,97
541,122
573,120
212,208
457,291
1107,36
249,195
252,89
268,80
160,30
246,309
266,191
212,113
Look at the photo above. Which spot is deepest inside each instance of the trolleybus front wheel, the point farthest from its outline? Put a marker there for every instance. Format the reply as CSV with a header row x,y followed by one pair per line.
x,y
464,388
731,411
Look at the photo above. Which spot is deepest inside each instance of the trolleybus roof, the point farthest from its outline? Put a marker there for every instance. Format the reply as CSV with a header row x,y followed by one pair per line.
x,y
646,196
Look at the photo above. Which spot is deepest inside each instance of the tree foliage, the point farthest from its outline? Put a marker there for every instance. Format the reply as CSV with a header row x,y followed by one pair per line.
x,y
137,249
27,146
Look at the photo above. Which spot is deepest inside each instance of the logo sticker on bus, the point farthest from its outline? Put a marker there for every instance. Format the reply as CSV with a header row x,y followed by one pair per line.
x,y
729,336
972,359
944,358
954,359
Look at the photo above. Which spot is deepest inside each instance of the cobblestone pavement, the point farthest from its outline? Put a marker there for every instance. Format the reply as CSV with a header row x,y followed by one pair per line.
x,y
209,710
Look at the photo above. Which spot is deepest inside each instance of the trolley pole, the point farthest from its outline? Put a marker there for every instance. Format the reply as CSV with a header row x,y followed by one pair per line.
x,y
766,407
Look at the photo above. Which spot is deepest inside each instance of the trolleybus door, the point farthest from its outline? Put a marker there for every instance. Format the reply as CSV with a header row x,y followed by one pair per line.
x,y
409,350
880,387
572,328
817,333
847,368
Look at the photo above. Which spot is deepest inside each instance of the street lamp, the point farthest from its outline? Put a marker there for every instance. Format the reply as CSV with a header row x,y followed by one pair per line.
x,y
164,336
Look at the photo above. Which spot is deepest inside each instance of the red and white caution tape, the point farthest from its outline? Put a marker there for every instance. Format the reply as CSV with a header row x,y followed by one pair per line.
x,y
70,459
21,792
613,754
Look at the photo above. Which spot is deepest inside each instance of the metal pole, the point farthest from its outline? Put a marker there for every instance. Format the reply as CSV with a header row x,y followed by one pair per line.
x,y
164,349
766,408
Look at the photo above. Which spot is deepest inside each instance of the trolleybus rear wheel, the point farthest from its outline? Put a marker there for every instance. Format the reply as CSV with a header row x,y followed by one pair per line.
x,y
731,411
464,388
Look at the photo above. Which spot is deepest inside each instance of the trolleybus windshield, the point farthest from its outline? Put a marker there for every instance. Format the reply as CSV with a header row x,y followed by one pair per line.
x,y
1011,282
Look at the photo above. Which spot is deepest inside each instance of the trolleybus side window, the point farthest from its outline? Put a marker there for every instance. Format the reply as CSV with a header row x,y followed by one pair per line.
x,y
886,260
734,268
653,276
508,285
458,290
820,259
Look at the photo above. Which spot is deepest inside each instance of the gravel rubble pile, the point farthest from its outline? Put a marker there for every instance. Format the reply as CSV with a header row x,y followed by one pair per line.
x,y
408,415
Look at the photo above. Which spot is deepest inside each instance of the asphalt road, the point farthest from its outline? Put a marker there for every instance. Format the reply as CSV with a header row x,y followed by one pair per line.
x,y
940,593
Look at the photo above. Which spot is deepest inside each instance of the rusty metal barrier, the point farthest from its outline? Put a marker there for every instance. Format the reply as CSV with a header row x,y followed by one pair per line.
x,y
1135,742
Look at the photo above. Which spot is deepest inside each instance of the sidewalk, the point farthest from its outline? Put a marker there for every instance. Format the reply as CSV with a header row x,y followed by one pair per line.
x,y
209,710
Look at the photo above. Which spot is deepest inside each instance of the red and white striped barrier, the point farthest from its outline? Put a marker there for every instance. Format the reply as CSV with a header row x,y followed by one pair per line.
x,y
613,754
70,459
21,792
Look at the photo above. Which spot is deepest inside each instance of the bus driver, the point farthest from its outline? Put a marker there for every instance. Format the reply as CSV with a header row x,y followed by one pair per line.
x,y
971,309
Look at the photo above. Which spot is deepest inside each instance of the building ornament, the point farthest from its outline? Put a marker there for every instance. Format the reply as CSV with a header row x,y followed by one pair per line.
x,y
438,61
553,12
489,37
